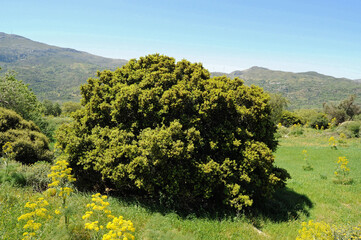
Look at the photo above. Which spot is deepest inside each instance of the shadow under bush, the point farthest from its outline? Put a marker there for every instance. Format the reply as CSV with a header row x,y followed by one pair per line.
x,y
284,206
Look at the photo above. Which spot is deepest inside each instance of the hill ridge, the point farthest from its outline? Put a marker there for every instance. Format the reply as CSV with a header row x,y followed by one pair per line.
x,y
56,73
52,72
304,89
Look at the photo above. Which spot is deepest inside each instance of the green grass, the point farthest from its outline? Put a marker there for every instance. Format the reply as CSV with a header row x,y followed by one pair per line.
x,y
309,195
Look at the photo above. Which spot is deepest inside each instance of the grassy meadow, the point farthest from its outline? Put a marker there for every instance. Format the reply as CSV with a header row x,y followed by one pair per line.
x,y
310,195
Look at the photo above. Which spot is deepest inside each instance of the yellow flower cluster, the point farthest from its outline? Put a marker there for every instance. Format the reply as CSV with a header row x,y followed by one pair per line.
x,y
99,206
59,172
37,212
332,142
315,230
342,166
60,175
93,226
7,148
332,123
118,227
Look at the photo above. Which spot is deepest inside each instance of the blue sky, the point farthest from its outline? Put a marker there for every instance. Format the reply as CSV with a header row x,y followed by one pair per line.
x,y
322,36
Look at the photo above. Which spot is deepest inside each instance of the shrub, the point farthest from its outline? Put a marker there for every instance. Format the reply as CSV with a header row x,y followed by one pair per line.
x,y
350,129
36,175
319,121
29,145
296,130
169,130
289,118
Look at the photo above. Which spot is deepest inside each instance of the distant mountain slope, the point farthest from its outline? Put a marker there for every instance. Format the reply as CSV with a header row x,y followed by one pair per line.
x,y
52,72
56,73
306,90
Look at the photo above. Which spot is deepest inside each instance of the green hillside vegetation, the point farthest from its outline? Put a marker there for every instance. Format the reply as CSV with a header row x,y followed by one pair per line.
x,y
56,74
303,90
53,73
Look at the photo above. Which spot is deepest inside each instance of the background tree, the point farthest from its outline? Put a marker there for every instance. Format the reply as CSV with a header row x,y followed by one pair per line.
x,y
278,104
170,131
70,107
17,96
344,111
51,108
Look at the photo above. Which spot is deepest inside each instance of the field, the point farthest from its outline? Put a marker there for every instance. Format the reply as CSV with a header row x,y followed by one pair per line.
x,y
310,195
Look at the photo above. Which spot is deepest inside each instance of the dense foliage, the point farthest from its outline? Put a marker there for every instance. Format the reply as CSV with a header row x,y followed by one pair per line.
x,y
278,105
170,130
51,108
344,110
28,143
69,107
290,118
16,95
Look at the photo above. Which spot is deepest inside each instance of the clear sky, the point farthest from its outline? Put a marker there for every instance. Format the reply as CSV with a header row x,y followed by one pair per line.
x,y
303,35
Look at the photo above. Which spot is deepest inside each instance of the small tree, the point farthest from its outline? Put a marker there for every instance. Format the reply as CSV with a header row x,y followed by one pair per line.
x,y
344,111
170,131
51,108
16,95
278,104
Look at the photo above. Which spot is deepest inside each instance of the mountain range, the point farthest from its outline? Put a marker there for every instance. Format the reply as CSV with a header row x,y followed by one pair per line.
x,y
303,90
56,74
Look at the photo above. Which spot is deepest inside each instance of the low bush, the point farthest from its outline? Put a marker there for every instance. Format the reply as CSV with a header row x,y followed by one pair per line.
x,y
289,118
318,121
28,143
36,175
350,128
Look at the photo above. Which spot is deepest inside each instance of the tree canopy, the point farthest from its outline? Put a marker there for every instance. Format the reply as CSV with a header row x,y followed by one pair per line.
x,y
167,129
344,111
16,95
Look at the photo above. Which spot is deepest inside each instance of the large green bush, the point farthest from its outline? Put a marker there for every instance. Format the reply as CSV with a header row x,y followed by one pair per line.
x,y
29,144
169,130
